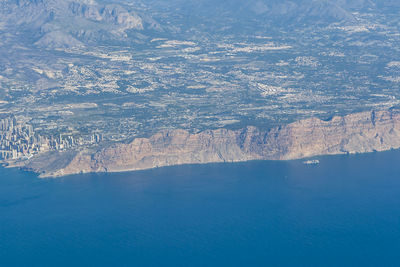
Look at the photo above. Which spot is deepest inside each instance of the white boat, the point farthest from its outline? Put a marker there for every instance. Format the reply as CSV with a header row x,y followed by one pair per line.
x,y
311,162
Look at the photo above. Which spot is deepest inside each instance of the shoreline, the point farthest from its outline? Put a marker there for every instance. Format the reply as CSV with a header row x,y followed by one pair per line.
x,y
356,133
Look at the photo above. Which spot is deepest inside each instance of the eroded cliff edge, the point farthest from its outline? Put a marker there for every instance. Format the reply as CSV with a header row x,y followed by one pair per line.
x,y
355,133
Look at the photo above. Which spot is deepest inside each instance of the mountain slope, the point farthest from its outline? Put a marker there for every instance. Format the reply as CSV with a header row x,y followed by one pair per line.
x,y
68,23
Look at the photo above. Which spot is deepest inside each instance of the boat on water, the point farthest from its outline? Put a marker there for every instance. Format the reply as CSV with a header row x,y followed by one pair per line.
x,y
311,162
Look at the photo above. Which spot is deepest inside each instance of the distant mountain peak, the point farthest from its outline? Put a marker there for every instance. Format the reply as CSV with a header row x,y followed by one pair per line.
x,y
58,39
69,23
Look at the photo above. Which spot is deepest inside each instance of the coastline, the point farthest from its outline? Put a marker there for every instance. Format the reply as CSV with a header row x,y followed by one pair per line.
x,y
351,134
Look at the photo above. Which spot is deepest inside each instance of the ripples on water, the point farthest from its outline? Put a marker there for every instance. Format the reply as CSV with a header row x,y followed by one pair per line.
x,y
343,212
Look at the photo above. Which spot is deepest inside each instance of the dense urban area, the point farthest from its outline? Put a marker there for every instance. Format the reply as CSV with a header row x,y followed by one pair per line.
x,y
19,141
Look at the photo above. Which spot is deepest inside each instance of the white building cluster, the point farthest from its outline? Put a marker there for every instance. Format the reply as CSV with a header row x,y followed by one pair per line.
x,y
19,140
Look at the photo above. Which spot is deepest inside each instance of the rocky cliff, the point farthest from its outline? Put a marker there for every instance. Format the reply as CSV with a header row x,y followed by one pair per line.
x,y
355,133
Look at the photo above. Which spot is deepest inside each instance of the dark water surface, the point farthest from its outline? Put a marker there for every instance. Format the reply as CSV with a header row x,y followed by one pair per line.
x,y
343,212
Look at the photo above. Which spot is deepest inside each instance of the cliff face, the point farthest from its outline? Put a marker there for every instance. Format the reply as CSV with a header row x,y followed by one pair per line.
x,y
355,133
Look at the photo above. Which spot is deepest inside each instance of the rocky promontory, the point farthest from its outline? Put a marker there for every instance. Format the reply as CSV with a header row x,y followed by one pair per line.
x,y
354,133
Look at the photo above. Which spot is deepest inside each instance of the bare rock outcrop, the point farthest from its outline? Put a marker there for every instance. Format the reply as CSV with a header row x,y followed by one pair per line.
x,y
355,133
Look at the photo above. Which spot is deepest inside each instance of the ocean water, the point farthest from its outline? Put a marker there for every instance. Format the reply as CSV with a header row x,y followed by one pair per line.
x,y
343,212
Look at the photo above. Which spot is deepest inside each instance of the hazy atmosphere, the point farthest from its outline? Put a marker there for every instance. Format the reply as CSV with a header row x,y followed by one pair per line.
x,y
96,91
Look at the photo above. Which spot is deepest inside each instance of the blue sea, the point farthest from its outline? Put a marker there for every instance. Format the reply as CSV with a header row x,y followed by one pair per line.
x,y
343,212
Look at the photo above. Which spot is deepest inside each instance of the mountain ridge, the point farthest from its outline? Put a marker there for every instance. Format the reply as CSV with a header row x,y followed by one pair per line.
x,y
71,23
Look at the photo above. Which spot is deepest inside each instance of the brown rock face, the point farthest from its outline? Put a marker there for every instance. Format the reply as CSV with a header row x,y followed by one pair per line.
x,y
355,133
